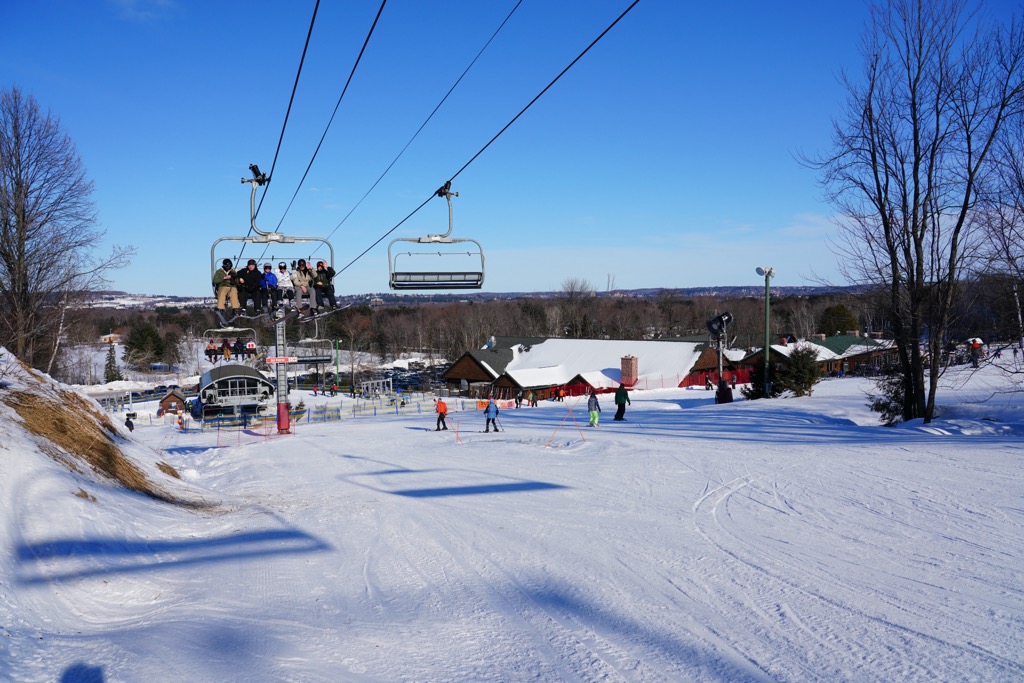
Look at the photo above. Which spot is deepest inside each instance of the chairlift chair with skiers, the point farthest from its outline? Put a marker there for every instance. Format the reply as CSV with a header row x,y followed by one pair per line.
x,y
414,273
257,236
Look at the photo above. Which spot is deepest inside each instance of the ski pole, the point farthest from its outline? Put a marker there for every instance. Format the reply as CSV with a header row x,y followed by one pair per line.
x,y
501,426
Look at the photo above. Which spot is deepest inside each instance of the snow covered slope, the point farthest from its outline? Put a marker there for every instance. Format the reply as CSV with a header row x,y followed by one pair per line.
x,y
777,540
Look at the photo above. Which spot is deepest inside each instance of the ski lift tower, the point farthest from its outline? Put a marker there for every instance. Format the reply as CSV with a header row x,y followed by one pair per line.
x,y
281,359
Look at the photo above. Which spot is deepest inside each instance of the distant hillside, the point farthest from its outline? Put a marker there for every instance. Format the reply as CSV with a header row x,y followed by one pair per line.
x,y
124,300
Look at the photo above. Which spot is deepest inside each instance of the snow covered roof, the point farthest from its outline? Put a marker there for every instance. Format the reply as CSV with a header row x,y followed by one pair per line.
x,y
599,361
823,353
842,344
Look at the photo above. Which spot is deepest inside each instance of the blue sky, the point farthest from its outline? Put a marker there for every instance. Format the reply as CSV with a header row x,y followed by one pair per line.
x,y
667,157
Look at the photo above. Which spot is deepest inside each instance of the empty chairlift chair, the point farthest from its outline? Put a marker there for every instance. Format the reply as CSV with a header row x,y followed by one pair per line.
x,y
415,272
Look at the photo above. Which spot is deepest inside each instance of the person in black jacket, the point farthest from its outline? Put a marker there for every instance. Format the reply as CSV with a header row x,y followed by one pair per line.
x,y
249,281
323,283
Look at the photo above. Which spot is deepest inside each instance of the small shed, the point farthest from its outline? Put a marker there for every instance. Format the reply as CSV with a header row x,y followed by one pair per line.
x,y
173,402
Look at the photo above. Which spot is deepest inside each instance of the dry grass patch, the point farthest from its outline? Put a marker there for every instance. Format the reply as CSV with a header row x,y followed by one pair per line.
x,y
167,469
82,493
75,428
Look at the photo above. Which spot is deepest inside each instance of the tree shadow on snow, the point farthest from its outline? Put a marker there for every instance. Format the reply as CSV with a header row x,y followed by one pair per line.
x,y
63,559
475,489
82,673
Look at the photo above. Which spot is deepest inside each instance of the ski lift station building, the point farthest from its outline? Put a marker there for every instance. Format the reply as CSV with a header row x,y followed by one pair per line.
x,y
234,389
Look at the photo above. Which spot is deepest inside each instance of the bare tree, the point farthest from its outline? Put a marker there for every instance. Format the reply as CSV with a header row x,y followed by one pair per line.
x,y
1003,216
576,293
908,156
47,230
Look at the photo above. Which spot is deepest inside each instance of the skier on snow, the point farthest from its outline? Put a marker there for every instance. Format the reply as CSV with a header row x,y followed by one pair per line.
x,y
442,412
491,413
594,407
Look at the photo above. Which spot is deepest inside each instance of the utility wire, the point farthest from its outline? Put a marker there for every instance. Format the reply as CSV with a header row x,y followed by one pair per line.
x,y
427,120
498,134
334,113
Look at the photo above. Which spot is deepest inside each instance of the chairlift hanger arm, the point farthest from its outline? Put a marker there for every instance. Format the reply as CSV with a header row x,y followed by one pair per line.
x,y
258,179
446,192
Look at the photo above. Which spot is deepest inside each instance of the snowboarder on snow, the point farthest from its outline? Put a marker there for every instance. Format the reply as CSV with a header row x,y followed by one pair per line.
x,y
491,415
129,424
621,399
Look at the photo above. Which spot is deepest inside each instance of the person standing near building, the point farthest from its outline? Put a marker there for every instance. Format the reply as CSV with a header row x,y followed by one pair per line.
x,y
519,397
594,407
491,415
621,400
442,412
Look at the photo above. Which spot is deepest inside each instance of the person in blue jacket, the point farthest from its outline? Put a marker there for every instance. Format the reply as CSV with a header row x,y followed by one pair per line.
x,y
491,413
271,297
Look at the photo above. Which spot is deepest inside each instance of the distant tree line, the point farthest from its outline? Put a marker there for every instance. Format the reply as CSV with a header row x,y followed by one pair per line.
x,y
444,331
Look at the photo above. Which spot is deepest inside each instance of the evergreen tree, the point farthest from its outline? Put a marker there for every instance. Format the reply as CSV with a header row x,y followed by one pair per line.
x,y
755,389
800,374
143,346
837,319
111,373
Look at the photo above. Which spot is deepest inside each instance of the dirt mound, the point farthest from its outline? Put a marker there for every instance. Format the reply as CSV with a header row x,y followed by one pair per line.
x,y
70,429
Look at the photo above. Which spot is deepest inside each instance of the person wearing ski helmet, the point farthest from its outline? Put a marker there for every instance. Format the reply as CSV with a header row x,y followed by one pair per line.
x,y
225,284
269,293
491,415
249,283
302,280
284,284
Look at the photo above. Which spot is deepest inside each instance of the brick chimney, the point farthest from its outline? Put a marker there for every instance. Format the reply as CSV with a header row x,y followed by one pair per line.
x,y
630,370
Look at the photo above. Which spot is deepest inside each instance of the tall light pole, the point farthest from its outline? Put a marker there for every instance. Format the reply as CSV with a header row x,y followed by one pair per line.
x,y
768,273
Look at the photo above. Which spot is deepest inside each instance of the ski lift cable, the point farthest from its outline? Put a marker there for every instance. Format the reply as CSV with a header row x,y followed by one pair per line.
x,y
291,100
496,136
546,88
334,113
284,124
427,120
